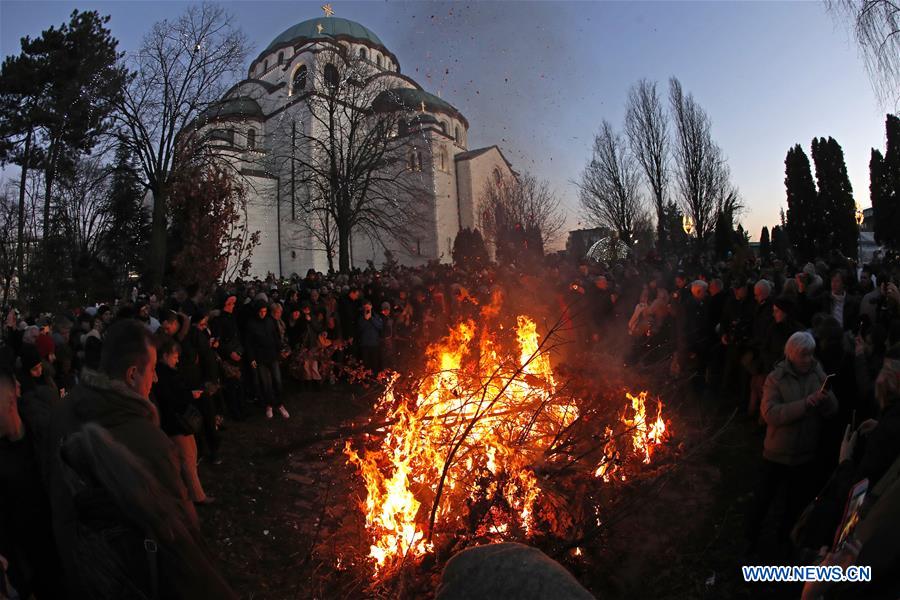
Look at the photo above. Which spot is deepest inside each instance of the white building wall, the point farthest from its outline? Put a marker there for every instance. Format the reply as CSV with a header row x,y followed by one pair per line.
x,y
453,190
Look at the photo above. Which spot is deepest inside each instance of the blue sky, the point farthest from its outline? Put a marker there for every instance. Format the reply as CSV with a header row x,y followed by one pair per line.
x,y
537,78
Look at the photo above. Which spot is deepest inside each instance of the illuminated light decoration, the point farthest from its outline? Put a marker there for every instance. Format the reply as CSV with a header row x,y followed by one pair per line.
x,y
329,12
860,216
687,223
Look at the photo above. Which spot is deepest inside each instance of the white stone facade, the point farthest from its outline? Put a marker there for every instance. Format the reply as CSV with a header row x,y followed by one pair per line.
x,y
265,103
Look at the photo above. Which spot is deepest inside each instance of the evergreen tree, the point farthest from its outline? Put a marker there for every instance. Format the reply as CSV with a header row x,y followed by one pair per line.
x,y
780,243
723,237
835,199
469,251
884,187
765,245
125,245
803,221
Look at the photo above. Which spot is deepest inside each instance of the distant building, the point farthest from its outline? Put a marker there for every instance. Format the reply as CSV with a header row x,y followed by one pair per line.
x,y
580,241
255,109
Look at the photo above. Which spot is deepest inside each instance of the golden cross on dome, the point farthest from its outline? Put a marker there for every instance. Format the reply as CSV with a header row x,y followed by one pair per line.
x,y
319,28
329,12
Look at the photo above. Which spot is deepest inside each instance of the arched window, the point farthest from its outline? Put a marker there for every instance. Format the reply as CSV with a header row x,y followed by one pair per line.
x,y
442,159
362,53
299,79
411,163
378,60
443,127
265,65
458,135
251,139
498,177
280,58
331,75
402,127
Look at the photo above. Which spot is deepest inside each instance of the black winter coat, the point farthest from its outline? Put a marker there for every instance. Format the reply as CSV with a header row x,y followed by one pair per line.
x,y
262,341
172,396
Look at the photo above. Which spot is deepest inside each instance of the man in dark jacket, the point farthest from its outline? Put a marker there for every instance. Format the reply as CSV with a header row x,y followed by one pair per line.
x,y
225,331
262,345
762,325
369,329
116,398
840,303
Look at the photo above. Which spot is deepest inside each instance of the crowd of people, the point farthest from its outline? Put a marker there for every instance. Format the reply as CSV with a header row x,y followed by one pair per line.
x,y
106,410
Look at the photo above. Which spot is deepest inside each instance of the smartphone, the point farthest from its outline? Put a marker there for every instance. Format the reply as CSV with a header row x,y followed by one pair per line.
x,y
826,385
851,514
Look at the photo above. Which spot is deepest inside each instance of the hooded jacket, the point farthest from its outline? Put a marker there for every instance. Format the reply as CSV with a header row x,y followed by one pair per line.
x,y
792,432
262,341
133,421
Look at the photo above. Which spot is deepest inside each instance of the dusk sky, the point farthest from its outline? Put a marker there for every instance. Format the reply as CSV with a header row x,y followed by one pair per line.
x,y
537,78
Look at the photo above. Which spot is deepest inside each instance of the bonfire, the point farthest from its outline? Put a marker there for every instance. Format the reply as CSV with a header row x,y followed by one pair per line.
x,y
467,448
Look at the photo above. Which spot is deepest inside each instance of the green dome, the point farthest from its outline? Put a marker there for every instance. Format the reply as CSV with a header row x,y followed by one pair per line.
x,y
331,27
242,106
411,99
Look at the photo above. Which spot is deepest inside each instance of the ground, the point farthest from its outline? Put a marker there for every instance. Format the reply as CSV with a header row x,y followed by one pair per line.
x,y
287,509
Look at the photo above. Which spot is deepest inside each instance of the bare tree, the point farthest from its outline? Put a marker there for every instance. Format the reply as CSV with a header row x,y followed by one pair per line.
x,y
647,128
701,171
610,186
522,201
350,159
9,221
876,25
181,68
82,207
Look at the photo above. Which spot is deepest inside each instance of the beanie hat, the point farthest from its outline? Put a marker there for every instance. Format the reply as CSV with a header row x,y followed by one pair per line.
x,y
30,357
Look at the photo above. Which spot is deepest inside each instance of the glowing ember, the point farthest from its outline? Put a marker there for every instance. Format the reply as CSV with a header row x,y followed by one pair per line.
x,y
461,449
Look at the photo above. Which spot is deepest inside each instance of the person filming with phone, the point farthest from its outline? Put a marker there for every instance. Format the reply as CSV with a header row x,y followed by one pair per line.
x,y
795,401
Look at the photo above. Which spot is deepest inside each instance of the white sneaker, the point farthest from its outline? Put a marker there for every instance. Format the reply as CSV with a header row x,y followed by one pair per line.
x,y
268,412
284,412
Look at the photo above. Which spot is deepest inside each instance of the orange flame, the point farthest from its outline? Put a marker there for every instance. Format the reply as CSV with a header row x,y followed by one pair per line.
x,y
473,428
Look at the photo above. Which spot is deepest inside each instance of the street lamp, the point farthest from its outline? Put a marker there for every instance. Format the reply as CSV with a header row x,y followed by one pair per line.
x,y
860,217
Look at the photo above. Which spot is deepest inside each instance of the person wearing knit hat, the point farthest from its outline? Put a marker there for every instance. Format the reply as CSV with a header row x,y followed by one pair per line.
x,y
30,360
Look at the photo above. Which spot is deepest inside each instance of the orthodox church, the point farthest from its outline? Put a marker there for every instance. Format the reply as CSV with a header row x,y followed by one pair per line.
x,y
250,113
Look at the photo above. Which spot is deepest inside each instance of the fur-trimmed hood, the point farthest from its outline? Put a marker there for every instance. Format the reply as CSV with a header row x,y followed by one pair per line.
x,y
110,401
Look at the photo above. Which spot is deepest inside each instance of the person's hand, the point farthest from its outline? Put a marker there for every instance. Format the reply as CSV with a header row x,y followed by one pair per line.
x,y
235,357
252,364
214,342
848,444
196,394
285,353
815,399
859,346
724,340
866,427
845,557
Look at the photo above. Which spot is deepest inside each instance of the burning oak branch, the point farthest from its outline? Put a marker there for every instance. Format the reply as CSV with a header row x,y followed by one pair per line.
x,y
471,449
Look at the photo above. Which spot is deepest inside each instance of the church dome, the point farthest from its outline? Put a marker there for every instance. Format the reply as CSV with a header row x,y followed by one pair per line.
x,y
411,99
332,28
239,107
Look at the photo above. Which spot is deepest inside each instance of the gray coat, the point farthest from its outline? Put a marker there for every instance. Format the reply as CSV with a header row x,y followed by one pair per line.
x,y
792,432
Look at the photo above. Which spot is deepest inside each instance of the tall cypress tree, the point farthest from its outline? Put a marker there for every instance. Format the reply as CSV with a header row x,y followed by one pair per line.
x,y
801,223
765,245
126,242
835,198
884,186
779,242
